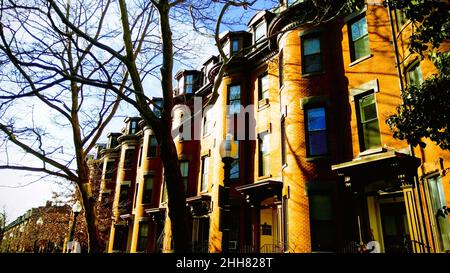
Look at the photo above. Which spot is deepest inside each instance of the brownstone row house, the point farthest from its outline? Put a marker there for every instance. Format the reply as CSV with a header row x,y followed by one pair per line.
x,y
42,230
317,168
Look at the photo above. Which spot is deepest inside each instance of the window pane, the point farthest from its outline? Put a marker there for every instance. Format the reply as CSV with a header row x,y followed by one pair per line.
x,y
260,32
414,75
235,46
152,143
265,83
235,92
189,84
234,172
184,168
359,28
234,107
361,47
318,143
312,63
316,119
311,46
205,168
371,133
368,108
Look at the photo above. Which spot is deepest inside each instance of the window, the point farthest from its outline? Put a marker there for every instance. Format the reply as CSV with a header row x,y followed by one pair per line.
x,y
184,168
157,111
263,86
133,127
128,162
283,141
142,237
264,154
280,68
200,234
369,131
322,224
359,39
189,84
311,55
205,169
414,74
234,171
120,238
152,145
112,142
438,207
207,122
260,32
148,189
401,18
140,156
316,131
235,46
109,170
123,193
136,191
234,99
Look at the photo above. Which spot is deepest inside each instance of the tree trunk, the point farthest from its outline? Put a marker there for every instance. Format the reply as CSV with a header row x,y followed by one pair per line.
x,y
90,216
176,193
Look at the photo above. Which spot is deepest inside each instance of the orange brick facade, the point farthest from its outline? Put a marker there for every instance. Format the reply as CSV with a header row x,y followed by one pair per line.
x,y
287,197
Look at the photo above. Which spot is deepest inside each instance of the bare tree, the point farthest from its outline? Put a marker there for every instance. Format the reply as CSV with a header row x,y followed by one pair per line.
x,y
72,53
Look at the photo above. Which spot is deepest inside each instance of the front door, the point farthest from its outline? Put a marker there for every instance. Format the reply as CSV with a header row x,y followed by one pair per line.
x,y
395,227
269,230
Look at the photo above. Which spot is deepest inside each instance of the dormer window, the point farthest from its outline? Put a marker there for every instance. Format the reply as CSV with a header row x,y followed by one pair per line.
x,y
260,32
157,110
189,84
186,82
133,127
112,141
235,46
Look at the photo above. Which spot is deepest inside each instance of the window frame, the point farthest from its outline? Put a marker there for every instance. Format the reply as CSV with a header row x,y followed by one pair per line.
x,y
145,190
258,26
230,86
185,178
307,130
318,36
154,148
128,162
142,241
232,43
352,47
412,67
362,145
204,178
109,172
262,91
263,169
186,84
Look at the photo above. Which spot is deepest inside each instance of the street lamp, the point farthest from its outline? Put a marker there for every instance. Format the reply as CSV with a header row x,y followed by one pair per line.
x,y
76,209
39,224
228,151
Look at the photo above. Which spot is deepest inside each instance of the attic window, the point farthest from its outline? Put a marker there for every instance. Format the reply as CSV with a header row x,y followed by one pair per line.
x,y
260,32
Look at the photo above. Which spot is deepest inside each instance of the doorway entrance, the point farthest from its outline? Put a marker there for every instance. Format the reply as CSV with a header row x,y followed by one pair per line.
x,y
395,227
